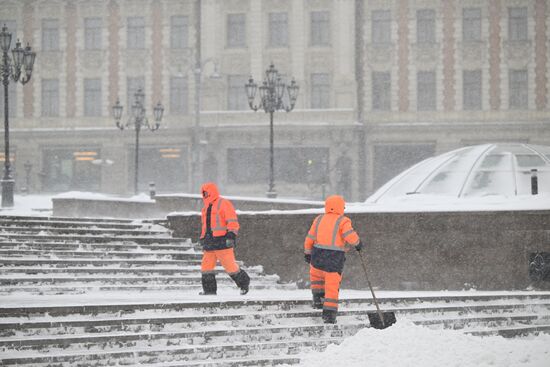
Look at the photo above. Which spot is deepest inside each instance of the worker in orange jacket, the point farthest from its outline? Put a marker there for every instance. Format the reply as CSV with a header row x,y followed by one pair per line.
x,y
218,239
331,235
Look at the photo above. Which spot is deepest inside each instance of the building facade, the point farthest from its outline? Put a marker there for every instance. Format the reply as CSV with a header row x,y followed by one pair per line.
x,y
383,84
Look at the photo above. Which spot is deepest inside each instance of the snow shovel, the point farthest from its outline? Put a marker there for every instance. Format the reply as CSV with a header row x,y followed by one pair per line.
x,y
378,319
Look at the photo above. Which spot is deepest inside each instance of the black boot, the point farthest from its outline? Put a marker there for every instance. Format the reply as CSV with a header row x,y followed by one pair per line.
x,y
329,316
242,280
209,285
318,300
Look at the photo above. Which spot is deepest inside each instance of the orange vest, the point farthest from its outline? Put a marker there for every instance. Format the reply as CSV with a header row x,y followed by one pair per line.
x,y
223,218
331,231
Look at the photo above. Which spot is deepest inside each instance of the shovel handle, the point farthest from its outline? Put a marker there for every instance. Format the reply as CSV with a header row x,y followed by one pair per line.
x,y
364,264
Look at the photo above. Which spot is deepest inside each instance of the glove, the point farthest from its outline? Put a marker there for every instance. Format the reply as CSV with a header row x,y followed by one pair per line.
x,y
359,246
231,239
307,258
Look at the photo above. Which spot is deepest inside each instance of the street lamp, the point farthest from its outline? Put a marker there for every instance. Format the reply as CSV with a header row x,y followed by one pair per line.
x,y
138,119
22,60
195,137
273,93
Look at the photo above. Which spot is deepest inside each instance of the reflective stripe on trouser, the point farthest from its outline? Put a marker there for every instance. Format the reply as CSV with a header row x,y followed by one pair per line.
x,y
317,282
331,286
226,258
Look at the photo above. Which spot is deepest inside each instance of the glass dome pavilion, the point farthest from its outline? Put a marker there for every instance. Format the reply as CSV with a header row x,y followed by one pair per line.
x,y
476,171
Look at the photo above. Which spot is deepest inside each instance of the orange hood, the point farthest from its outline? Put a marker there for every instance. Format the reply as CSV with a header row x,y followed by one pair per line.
x,y
211,191
335,204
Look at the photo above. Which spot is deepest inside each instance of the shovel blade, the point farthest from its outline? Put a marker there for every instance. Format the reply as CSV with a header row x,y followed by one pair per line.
x,y
376,322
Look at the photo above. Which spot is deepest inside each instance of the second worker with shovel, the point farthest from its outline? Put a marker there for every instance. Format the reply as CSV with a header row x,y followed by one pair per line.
x,y
331,235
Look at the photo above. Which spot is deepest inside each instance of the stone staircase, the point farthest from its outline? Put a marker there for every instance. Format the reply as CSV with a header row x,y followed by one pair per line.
x,y
62,255
124,293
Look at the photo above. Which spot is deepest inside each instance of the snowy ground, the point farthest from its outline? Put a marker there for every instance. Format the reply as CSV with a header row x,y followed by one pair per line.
x,y
224,294
406,345
401,345
29,205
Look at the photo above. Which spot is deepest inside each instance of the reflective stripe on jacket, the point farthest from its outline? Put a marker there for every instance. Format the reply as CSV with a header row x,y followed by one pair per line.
x,y
223,218
331,231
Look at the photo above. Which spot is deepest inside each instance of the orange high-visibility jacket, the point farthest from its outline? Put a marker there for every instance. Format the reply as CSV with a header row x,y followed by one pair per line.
x,y
332,230
223,216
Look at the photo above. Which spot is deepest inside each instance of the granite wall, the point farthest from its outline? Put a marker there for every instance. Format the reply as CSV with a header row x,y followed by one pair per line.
x,y
429,251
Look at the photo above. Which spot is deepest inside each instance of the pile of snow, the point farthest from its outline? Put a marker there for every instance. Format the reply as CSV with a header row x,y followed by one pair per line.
x,y
405,345
29,205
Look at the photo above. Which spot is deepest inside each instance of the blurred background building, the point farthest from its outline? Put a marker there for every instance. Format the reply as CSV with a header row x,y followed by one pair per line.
x,y
383,85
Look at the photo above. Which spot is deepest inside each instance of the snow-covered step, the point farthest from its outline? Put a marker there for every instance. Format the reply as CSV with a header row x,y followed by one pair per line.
x,y
71,220
249,312
225,320
191,269
497,322
230,362
512,331
92,238
101,246
183,336
208,305
74,224
22,281
168,255
79,288
193,259
96,331
170,353
440,316
90,230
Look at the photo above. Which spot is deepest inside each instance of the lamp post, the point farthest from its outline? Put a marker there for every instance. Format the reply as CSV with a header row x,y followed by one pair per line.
x,y
22,60
139,120
273,93
195,137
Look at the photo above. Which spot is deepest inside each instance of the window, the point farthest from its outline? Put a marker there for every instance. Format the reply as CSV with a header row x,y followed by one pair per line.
x,y
12,103
179,31
518,89
320,91
425,91
320,28
236,94
381,91
92,97
92,33
136,33
236,30
278,29
517,24
179,96
293,165
50,97
71,169
471,89
133,84
471,24
166,167
381,27
50,34
425,26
